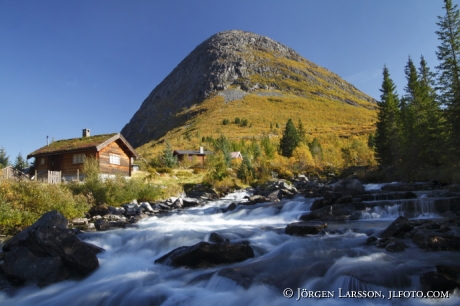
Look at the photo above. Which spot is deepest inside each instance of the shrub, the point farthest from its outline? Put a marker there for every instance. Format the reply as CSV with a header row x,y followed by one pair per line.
x,y
23,202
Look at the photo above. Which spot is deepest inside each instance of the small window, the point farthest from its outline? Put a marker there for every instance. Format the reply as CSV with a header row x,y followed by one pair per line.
x,y
78,158
42,161
114,159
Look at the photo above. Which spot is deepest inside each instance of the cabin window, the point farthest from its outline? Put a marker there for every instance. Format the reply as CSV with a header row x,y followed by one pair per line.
x,y
114,159
78,158
42,161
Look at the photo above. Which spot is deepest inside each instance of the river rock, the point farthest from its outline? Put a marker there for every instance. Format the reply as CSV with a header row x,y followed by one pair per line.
x,y
216,238
230,207
397,228
50,219
435,241
204,254
48,252
347,187
102,225
275,196
395,245
117,211
202,192
177,204
22,266
131,209
80,221
76,255
435,281
256,199
145,207
190,202
328,198
305,228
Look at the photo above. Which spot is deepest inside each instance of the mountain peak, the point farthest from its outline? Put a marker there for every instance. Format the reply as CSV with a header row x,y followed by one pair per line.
x,y
233,59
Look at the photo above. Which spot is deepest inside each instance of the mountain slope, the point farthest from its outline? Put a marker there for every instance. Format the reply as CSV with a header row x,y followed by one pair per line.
x,y
236,73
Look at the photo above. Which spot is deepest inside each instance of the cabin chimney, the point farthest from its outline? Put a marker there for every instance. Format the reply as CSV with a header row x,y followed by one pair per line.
x,y
201,150
47,141
86,133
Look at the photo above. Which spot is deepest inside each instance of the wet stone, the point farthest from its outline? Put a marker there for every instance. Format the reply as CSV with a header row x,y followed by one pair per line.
x,y
305,228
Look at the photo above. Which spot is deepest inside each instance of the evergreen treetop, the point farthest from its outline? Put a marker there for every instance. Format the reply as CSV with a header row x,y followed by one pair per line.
x,y
290,139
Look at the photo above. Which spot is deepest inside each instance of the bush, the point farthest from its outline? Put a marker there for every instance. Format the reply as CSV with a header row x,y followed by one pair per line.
x,y
116,191
23,202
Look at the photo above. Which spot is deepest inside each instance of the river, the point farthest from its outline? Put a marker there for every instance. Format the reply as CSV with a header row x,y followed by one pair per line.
x,y
323,269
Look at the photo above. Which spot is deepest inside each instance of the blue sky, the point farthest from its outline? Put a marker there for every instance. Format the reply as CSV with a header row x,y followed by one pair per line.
x,y
69,65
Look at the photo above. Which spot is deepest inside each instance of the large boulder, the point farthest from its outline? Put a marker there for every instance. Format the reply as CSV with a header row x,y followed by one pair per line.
x,y
394,245
204,254
435,281
397,228
22,266
48,252
305,228
347,187
435,241
190,202
76,255
50,219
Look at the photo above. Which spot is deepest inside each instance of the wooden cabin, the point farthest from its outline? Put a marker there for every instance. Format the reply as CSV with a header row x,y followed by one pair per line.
x,y
200,155
114,153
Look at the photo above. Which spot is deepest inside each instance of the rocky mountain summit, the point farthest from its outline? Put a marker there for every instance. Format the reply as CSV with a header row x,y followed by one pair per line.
x,y
235,63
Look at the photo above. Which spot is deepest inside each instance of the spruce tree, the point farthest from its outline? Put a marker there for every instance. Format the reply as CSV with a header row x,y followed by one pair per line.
x,y
432,125
449,72
4,159
167,158
245,171
20,163
290,139
223,144
420,122
387,136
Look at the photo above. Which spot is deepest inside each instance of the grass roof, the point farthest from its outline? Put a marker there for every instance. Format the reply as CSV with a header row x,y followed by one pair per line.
x,y
73,144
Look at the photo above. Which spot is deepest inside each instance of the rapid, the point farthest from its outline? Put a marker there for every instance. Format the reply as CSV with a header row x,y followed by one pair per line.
x,y
335,262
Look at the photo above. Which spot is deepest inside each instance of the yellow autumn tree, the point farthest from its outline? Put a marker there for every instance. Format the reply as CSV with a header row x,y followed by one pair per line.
x,y
302,159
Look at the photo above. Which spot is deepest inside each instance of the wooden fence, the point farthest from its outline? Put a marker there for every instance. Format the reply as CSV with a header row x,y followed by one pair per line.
x,y
54,177
50,177
11,173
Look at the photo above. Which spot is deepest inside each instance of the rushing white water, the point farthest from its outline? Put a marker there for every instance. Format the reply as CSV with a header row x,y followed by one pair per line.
x,y
335,262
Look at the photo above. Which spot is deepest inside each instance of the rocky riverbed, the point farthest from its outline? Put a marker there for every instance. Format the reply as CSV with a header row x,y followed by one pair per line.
x,y
296,234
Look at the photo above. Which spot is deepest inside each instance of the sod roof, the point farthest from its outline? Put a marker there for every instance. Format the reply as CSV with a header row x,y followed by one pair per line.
x,y
96,143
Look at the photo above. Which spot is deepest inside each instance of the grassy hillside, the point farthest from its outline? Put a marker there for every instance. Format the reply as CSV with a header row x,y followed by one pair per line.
x,y
334,123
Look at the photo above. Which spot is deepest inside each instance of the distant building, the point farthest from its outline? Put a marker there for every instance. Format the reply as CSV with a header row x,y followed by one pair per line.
x,y
113,152
10,173
236,155
200,155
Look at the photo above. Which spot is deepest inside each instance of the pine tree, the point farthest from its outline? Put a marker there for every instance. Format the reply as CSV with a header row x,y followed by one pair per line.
x,y
431,125
245,171
20,163
290,139
449,71
223,144
167,158
387,136
4,159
